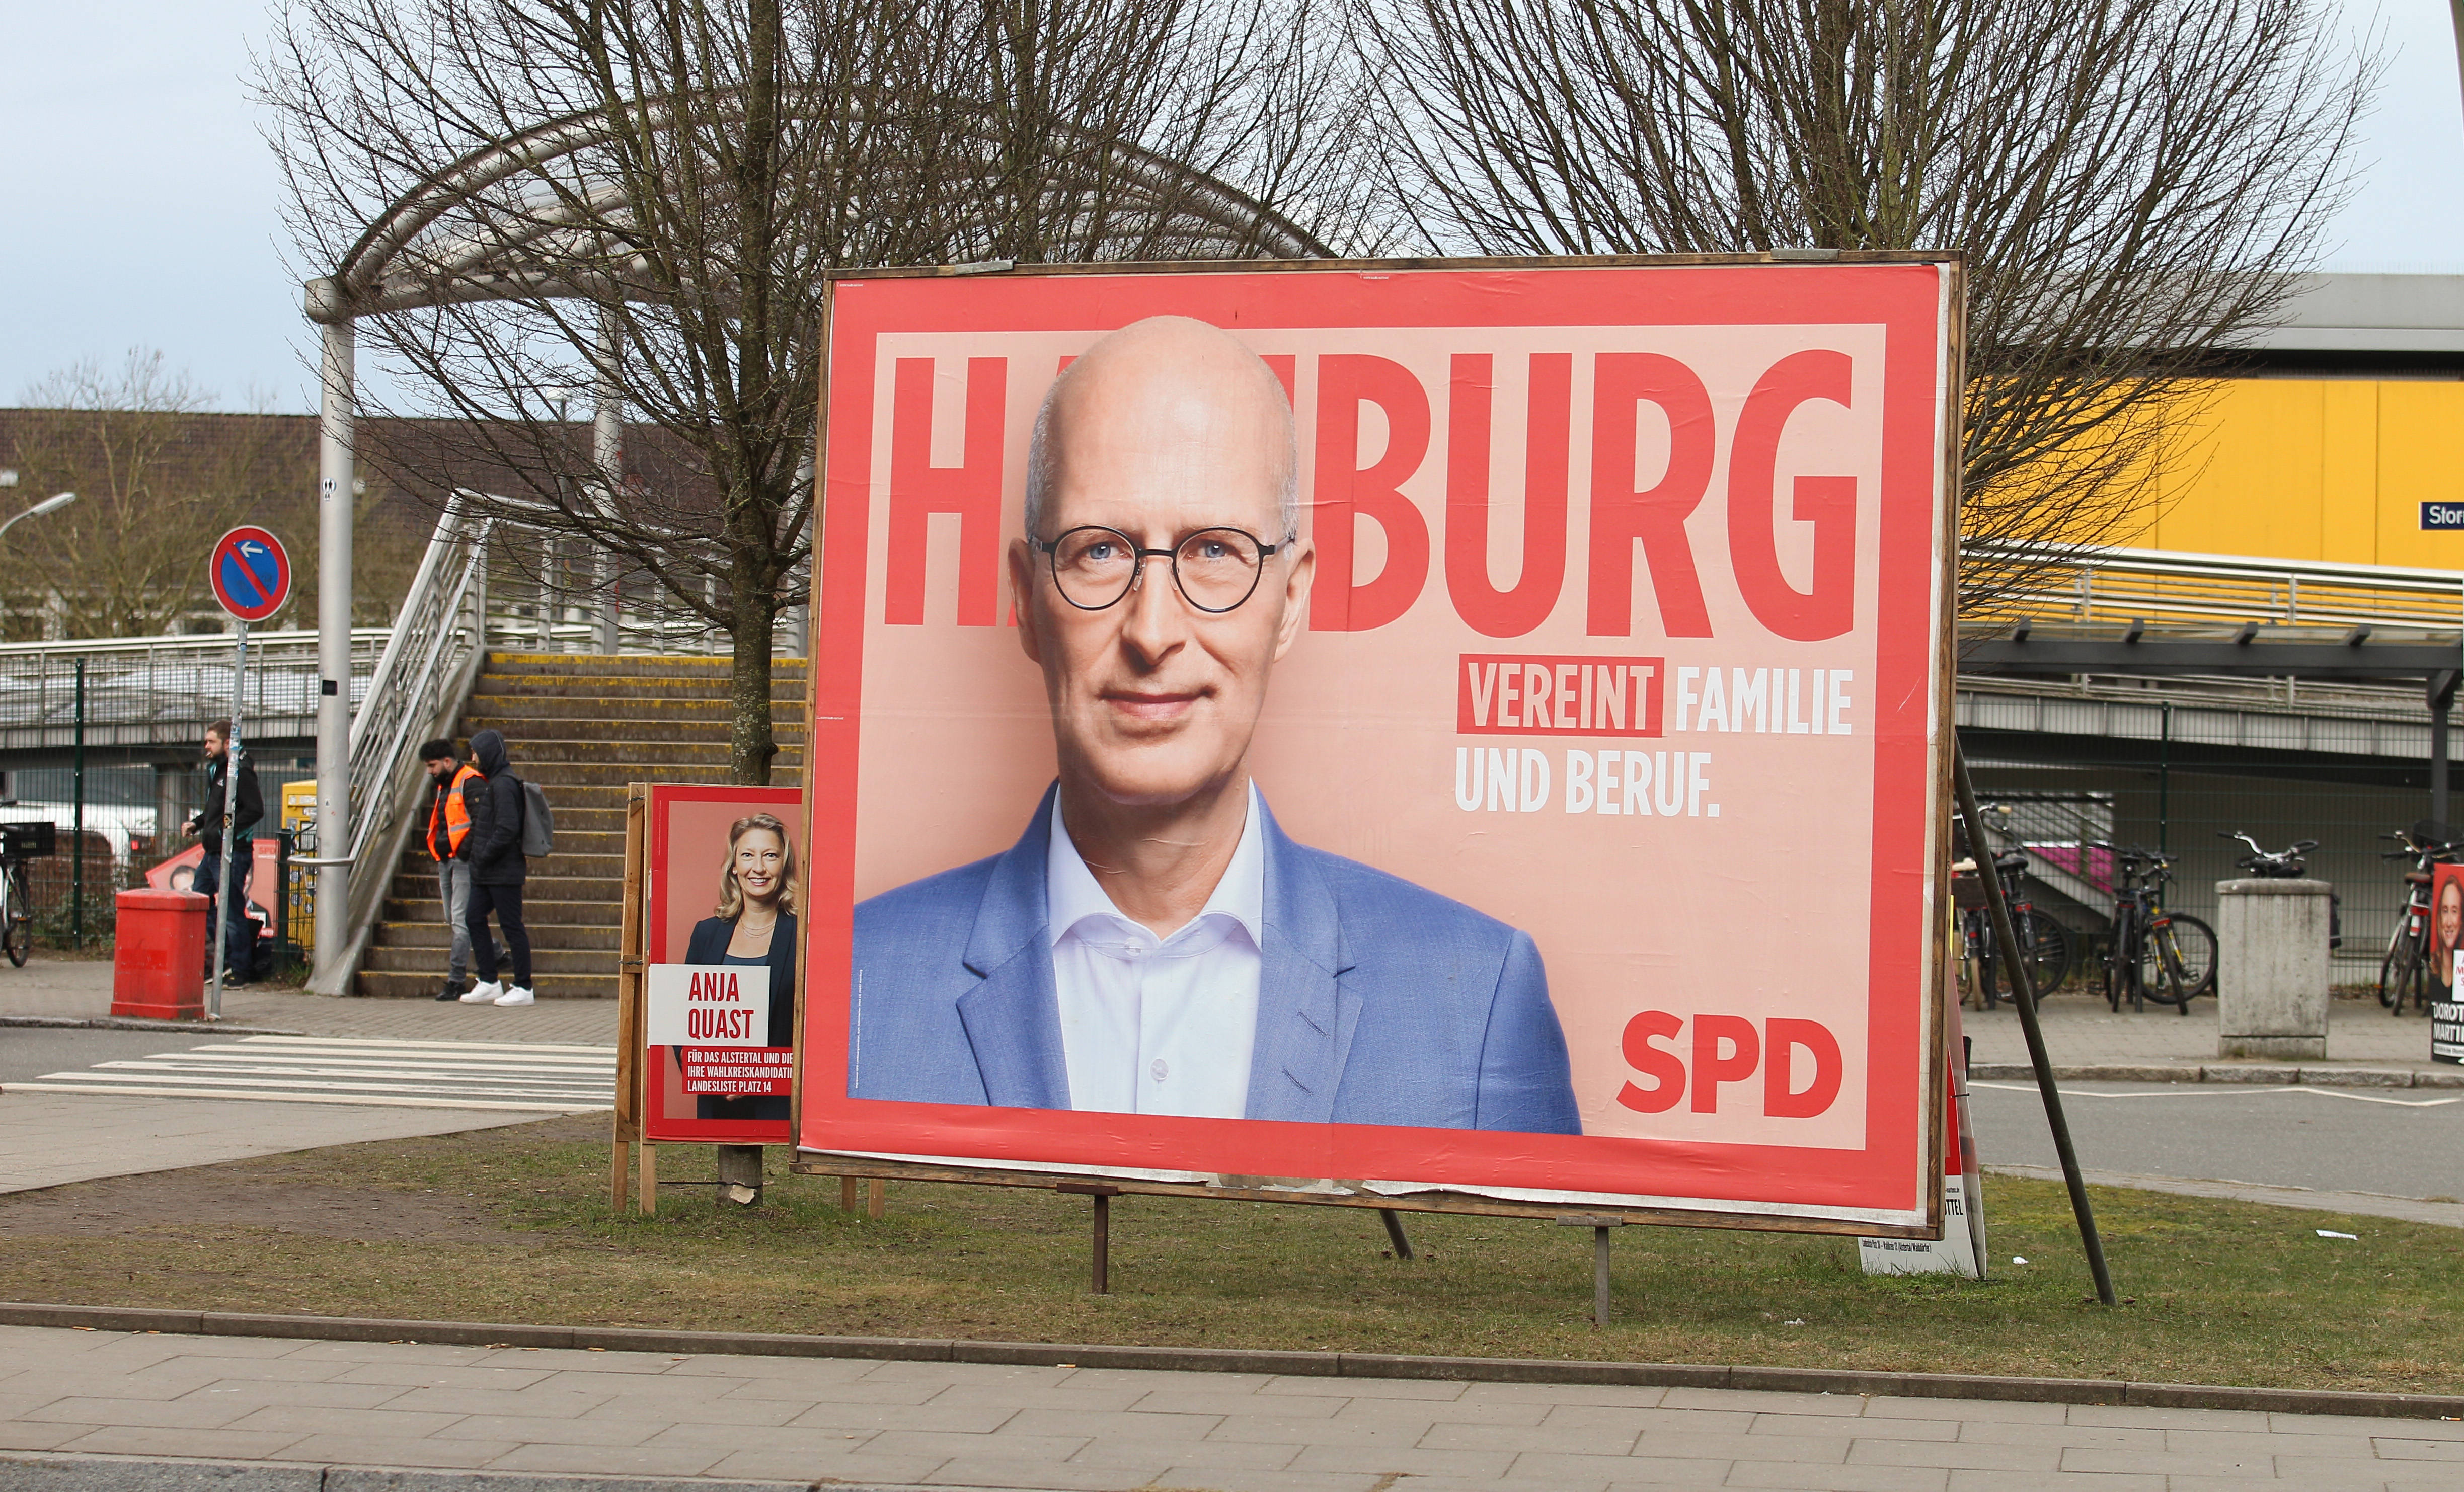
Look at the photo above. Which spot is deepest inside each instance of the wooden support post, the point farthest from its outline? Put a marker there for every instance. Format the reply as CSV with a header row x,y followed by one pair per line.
x,y
740,1175
1600,1227
1102,1265
1394,1233
650,1180
847,1193
628,1003
877,1199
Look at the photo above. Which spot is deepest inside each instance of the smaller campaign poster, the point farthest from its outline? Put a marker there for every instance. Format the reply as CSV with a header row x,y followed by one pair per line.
x,y
2446,964
722,878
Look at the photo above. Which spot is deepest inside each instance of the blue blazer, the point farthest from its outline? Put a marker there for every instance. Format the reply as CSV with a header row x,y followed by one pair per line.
x,y
1378,1003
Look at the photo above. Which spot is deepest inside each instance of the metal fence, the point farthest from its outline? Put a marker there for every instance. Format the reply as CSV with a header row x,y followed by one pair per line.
x,y
2058,812
152,690
132,817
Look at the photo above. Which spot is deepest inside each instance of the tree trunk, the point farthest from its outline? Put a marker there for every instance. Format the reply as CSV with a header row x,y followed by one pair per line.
x,y
751,742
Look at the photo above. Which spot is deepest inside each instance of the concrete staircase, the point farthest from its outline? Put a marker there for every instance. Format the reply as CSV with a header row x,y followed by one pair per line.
x,y
581,726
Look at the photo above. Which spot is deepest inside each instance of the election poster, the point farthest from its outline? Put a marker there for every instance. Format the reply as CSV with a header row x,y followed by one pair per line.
x,y
1424,735
722,886
2445,963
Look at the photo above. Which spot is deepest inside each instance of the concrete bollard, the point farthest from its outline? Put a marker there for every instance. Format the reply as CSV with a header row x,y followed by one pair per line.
x,y
2272,968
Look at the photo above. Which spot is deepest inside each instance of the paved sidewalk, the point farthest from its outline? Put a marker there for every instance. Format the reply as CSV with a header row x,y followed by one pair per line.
x,y
49,1139
2081,1032
805,1419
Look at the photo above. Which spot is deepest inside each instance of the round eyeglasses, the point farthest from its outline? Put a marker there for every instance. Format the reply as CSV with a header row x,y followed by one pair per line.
x,y
1216,569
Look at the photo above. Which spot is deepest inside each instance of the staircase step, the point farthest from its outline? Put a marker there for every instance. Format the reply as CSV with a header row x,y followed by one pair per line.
x,y
433,961
543,935
597,718
584,727
595,913
551,775
642,685
603,664
609,868
405,984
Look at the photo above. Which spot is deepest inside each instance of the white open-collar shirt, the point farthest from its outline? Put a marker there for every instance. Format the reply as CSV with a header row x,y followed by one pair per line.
x,y
1156,1025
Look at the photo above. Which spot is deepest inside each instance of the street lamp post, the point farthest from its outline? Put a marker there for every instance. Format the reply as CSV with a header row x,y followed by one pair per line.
x,y
52,504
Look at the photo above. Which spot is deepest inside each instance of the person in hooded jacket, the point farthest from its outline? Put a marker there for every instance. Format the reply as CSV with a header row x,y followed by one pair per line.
x,y
493,849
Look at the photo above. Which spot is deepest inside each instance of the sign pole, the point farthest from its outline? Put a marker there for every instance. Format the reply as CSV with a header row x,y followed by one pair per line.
x,y
250,575
2023,992
231,816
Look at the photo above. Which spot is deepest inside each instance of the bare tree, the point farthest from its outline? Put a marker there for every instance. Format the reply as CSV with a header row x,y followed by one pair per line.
x,y
2136,185
734,154
158,479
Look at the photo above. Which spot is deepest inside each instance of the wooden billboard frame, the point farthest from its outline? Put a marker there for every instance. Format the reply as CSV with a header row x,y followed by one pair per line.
x,y
1933,1076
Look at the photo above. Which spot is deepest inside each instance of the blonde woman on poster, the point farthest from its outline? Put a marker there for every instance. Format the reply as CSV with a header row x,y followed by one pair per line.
x,y
755,928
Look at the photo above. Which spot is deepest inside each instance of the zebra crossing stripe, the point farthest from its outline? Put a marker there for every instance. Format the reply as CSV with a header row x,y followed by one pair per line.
x,y
498,1075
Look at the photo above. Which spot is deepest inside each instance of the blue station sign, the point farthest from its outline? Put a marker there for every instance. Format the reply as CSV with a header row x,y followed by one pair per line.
x,y
2442,515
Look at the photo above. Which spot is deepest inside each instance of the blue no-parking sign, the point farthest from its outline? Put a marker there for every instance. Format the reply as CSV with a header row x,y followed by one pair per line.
x,y
2442,515
251,573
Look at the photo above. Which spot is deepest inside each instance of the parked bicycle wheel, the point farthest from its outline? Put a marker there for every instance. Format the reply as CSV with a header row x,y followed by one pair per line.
x,y
2178,964
2396,962
2402,971
2049,951
16,919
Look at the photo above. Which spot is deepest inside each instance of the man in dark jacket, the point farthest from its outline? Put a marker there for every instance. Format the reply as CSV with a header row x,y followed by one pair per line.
x,y
239,935
493,852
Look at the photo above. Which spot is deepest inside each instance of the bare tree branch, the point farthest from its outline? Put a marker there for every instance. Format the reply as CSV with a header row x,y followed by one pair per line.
x,y
680,177
2136,183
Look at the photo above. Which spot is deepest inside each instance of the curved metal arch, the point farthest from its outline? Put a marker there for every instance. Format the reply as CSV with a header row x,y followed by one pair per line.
x,y
467,267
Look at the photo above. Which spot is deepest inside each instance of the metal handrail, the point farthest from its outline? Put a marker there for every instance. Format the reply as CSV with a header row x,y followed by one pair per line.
x,y
431,623
438,641
2118,582
212,644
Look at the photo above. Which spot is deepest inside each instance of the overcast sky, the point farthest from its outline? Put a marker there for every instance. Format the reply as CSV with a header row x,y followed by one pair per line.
x,y
140,202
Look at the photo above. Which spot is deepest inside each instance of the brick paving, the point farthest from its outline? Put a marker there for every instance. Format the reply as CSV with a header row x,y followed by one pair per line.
x,y
803,1419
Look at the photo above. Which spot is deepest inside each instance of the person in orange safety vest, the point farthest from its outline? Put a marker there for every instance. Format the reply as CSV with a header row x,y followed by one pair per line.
x,y
449,822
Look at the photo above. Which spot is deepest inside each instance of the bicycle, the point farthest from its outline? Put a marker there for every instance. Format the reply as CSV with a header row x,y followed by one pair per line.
x,y
2403,971
19,843
2166,957
2046,942
2287,864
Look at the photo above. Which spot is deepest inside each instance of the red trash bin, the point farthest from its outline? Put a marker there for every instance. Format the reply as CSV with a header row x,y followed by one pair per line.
x,y
157,966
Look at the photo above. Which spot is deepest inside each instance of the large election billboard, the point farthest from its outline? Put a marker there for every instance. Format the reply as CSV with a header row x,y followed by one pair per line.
x,y
1467,733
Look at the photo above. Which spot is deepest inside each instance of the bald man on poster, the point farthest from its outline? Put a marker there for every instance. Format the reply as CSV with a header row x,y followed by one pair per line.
x,y
1153,943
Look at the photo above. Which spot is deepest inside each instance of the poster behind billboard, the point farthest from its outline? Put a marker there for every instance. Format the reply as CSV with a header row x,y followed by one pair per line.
x,y
719,997
2446,962
1539,670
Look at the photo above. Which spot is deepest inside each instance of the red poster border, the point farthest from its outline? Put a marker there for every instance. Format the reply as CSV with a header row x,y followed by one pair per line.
x,y
1909,298
658,1126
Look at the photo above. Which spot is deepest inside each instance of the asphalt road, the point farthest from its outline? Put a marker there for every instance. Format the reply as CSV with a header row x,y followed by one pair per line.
x,y
2407,1142
28,1052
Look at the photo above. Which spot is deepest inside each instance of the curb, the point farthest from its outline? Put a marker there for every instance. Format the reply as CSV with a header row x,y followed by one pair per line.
x,y
2222,1072
1289,1364
138,1023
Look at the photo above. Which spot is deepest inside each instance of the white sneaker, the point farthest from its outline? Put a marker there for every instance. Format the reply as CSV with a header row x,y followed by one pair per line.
x,y
484,993
516,996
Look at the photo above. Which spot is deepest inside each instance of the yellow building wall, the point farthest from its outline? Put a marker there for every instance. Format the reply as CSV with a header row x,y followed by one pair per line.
x,y
2328,469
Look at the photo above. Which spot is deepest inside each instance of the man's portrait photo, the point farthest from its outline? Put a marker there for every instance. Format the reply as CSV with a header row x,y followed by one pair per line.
x,y
1153,943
